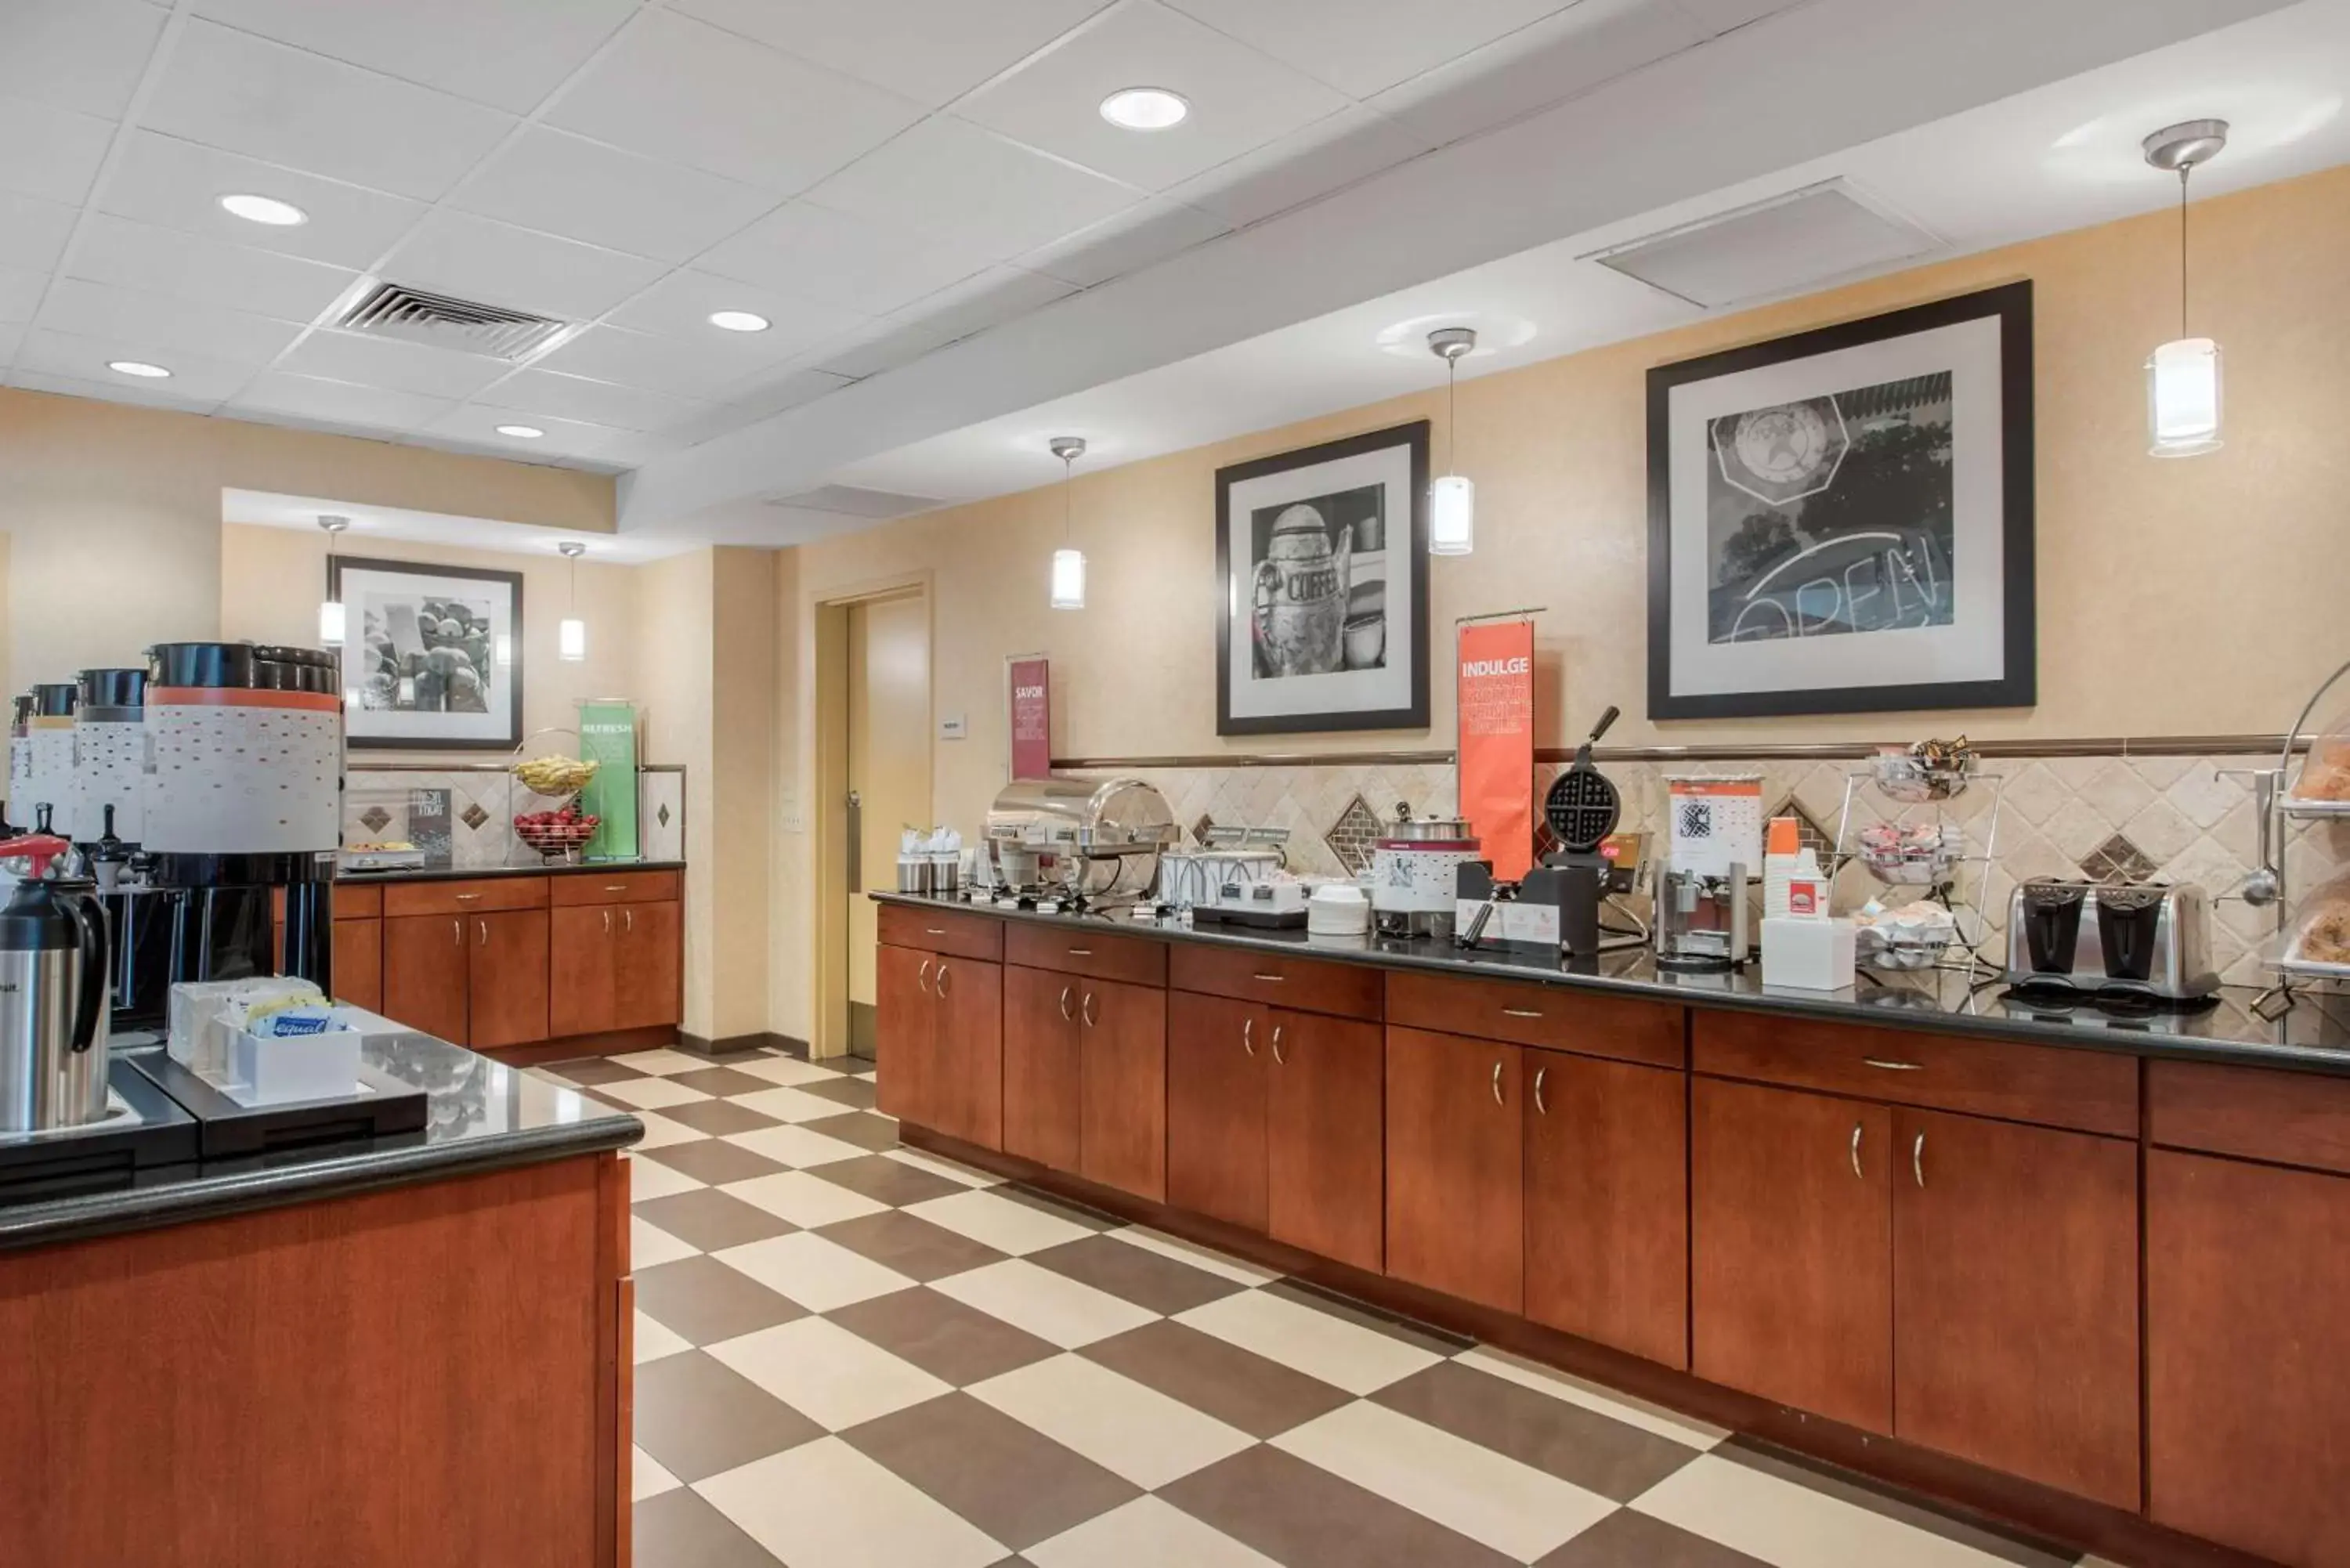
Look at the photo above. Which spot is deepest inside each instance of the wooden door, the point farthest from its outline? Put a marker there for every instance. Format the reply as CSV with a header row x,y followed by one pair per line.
x,y
509,980
1216,1060
648,970
1791,1245
2015,1296
1122,1044
1042,1097
358,963
2248,1356
906,1024
1455,1182
1325,1138
425,972
583,942
967,1049
1608,1203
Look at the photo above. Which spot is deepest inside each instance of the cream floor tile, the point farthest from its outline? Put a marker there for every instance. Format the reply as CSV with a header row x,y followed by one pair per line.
x,y
660,1132
1652,1419
1514,1509
661,1063
797,1146
1125,1427
970,1175
650,1246
1054,1308
820,1275
787,1105
1341,1354
806,1201
994,1220
825,1505
647,1479
651,1093
868,1077
784,1070
655,1340
1199,1257
1144,1534
649,1177
827,1374
1790,1526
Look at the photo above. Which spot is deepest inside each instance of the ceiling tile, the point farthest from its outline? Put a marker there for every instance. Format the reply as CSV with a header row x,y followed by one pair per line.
x,y
388,362
1126,242
509,53
764,401
584,189
1328,155
1722,15
559,397
178,184
951,181
161,325
194,377
675,88
31,231
498,263
140,394
993,297
85,55
50,151
680,305
338,402
874,348
207,271
1536,67
20,295
1240,99
814,253
1363,46
685,367
233,91
927,51
478,423
11,333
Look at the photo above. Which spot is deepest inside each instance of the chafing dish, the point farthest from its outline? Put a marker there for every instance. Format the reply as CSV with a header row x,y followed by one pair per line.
x,y
1093,841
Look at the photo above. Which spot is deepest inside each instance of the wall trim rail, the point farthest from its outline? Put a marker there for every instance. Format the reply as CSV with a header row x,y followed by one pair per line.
x,y
1720,752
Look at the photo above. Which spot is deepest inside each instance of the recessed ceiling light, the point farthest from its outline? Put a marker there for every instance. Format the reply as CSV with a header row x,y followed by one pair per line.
x,y
738,320
1144,108
139,367
265,210
521,432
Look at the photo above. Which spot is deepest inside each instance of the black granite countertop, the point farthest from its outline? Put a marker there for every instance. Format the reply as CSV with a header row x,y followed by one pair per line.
x,y
475,873
482,1114
2314,1035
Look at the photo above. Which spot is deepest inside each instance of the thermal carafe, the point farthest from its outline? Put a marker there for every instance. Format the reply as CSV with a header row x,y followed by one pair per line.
x,y
53,1007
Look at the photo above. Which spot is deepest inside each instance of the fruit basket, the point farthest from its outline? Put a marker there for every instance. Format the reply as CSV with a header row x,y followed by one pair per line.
x,y
560,831
557,834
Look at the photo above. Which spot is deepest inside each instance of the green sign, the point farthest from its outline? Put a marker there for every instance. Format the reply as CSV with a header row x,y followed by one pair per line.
x,y
607,737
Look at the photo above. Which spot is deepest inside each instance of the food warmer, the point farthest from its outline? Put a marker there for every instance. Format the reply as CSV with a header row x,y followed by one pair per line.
x,y
1093,842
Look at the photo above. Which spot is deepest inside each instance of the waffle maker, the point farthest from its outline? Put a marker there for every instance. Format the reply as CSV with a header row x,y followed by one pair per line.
x,y
1581,810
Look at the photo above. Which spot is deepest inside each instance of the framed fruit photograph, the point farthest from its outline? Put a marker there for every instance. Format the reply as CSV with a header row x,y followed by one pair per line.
x,y
433,659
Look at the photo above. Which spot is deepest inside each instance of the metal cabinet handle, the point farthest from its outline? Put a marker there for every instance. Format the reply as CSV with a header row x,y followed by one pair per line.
x,y
629,920
1081,952
1085,1009
1278,1058
482,933
1248,1035
922,978
608,922
1885,1066
1540,1104
1520,1012
1918,1159
616,886
1269,978
1065,1015
1497,1085
941,990
932,931
467,898
1855,1151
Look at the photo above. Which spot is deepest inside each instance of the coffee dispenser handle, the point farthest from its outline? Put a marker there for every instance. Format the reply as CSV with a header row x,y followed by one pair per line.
x,y
90,1006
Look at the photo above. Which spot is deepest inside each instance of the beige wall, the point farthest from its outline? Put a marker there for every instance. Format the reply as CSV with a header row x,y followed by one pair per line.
x,y
745,709
673,686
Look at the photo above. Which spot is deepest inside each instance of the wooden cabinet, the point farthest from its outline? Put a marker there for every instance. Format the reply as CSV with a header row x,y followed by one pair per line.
x,y
647,969
1324,1135
358,962
1041,1072
426,974
1455,1183
583,941
906,1033
1122,1073
1216,1062
940,1024
1791,1215
1607,1203
506,981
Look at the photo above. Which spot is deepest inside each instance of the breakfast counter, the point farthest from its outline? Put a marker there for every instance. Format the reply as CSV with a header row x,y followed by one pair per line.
x,y
470,873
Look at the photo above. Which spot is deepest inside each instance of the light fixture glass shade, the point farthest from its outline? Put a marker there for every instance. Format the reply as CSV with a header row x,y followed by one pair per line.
x,y
1451,516
571,640
330,623
1069,580
2182,397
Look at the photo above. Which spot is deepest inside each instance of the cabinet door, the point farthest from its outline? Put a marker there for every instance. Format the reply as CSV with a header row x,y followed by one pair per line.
x,y
1216,1058
648,961
967,1049
1122,1043
509,978
2248,1356
1455,1181
1324,1136
426,964
2015,1300
358,963
1608,1203
1790,1214
905,1024
583,946
1040,1088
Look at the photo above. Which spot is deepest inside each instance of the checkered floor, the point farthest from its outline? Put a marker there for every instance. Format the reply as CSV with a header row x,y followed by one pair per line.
x,y
851,1353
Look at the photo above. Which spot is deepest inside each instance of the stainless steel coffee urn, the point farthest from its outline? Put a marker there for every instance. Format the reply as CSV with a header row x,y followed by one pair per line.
x,y
53,997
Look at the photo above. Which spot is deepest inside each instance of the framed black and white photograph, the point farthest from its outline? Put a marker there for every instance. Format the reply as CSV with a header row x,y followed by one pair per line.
x,y
1841,521
432,655
1322,588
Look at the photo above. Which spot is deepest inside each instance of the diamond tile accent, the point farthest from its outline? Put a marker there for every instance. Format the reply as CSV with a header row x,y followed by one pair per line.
x,y
473,816
661,816
375,819
2117,861
1353,835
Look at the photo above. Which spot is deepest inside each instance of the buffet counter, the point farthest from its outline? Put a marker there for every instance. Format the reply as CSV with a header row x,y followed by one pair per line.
x,y
463,874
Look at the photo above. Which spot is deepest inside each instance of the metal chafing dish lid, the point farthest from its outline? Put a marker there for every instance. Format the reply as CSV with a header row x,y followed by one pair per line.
x,y
1114,815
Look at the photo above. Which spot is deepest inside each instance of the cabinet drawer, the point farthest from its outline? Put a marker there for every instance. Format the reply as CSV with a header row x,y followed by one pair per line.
x,y
1078,950
351,903
1309,985
2283,1118
616,887
465,898
941,931
2092,1091
1614,1026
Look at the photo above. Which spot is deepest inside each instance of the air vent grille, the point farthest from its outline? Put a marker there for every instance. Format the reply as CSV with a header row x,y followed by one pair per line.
x,y
1786,244
414,316
854,501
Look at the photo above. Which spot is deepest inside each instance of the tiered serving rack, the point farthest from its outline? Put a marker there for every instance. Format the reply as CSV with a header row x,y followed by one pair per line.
x,y
1904,792
2281,818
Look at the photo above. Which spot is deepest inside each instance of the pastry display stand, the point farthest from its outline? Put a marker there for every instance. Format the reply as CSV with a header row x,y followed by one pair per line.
x,y
2282,815
1954,878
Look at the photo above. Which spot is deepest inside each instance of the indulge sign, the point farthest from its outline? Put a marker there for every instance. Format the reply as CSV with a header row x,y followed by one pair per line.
x,y
1496,715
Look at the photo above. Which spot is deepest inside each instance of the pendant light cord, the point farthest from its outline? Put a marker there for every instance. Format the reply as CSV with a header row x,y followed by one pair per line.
x,y
1068,500
1451,403
2184,170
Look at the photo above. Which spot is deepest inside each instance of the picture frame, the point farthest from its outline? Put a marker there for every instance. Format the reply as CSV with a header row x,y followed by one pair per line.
x,y
1319,553
421,665
1842,521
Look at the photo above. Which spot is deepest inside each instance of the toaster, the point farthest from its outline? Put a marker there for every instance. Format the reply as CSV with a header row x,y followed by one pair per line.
x,y
2095,939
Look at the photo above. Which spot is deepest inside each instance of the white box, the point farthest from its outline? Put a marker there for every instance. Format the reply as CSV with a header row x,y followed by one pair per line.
x,y
267,1071
1808,954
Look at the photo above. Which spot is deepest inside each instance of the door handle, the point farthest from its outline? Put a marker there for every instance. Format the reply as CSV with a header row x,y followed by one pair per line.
x,y
1085,1008
1918,1159
629,921
481,933
467,898
940,991
933,931
1855,1151
457,929
1269,978
1520,1012
1540,1104
1248,1035
1497,1085
1081,952
1277,1056
1884,1066
922,978
1066,1014
608,922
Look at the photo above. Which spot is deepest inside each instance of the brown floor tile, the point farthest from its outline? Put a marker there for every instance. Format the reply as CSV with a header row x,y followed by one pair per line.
x,y
1878,1496
1239,1388
678,1530
717,1117
699,1417
710,1220
1145,1278
1425,1336
1628,1540
914,1247
705,1300
723,1081
1567,1440
854,1093
887,1181
1010,1481
958,1344
713,1162
1074,1213
863,1129
594,1070
1303,1517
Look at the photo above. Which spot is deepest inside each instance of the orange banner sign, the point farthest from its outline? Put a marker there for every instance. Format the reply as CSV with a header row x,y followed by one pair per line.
x,y
1496,721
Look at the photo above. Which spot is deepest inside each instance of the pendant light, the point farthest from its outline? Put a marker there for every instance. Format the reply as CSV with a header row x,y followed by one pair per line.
x,y
571,635
1451,500
332,623
1068,561
2182,378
